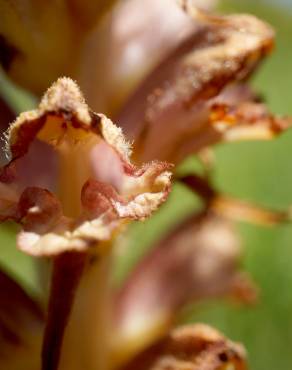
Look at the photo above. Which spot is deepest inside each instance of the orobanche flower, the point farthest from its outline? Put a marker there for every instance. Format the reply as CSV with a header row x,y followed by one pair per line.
x,y
92,201
75,221
176,84
92,196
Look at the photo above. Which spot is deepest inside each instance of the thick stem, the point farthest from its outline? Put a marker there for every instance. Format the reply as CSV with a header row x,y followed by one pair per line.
x,y
67,272
76,335
85,344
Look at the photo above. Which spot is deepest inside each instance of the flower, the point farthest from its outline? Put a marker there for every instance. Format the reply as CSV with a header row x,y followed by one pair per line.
x,y
64,122
93,200
70,184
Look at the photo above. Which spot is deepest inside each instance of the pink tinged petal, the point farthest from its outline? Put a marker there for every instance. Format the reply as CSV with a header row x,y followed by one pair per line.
x,y
130,42
111,160
170,115
8,202
101,196
21,327
38,209
140,198
199,260
38,167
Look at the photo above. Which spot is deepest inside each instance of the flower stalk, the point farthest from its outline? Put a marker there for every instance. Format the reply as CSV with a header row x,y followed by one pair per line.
x,y
67,272
232,208
83,333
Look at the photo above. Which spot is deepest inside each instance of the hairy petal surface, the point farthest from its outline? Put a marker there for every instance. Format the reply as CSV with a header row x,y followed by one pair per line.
x,y
96,197
6,115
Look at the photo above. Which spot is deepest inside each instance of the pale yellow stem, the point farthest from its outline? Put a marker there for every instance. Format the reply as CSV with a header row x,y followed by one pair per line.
x,y
239,210
126,346
85,343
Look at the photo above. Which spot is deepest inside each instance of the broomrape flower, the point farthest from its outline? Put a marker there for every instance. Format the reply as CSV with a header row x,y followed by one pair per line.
x,y
88,210
74,185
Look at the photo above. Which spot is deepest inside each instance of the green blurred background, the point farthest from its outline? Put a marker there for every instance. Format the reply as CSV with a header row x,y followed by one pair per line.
x,y
261,172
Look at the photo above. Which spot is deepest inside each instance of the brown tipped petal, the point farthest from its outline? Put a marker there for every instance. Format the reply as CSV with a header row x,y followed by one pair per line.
x,y
192,347
173,102
128,33
246,121
95,196
199,260
21,327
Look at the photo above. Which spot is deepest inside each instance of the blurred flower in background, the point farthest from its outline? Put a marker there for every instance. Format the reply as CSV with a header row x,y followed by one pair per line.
x,y
175,79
